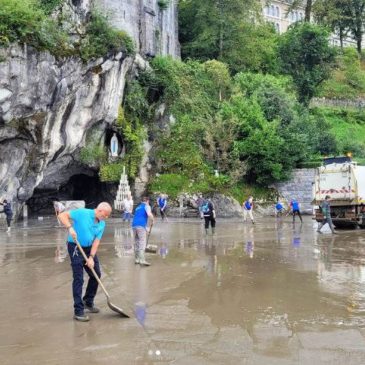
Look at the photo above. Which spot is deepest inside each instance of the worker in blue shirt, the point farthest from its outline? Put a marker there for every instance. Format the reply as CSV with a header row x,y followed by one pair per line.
x,y
87,227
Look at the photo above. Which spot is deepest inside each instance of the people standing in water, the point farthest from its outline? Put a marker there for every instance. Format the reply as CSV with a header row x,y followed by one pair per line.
x,y
128,208
279,209
209,215
162,203
326,211
8,213
139,226
85,226
248,209
295,209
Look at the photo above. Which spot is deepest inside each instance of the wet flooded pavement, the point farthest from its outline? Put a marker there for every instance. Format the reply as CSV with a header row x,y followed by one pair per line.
x,y
269,293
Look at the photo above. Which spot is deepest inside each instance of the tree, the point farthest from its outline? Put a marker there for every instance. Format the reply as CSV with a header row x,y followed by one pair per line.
x,y
343,16
335,15
356,12
306,55
225,30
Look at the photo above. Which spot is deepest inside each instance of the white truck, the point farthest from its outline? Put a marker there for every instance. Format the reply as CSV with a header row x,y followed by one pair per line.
x,y
344,181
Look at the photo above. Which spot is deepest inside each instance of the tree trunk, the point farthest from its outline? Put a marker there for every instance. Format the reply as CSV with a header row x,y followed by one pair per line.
x,y
308,11
341,38
358,43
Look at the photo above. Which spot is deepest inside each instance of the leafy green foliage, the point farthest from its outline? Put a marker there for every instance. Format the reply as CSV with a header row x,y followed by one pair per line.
x,y
173,184
50,5
163,4
223,30
133,136
111,172
102,39
93,155
29,22
347,80
348,127
24,21
306,55
249,128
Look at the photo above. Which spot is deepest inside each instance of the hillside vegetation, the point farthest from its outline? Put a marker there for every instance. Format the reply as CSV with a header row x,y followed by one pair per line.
x,y
238,105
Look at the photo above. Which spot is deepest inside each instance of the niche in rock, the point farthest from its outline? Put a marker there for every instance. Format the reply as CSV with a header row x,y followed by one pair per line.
x,y
114,143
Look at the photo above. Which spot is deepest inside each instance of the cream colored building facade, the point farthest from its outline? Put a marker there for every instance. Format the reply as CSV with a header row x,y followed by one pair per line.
x,y
276,12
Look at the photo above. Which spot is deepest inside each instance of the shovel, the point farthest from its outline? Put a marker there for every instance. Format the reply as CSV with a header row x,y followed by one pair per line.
x,y
150,248
110,304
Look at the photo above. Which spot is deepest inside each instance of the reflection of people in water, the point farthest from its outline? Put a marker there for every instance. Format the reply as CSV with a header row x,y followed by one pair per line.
x,y
210,251
297,236
140,312
163,251
279,229
249,238
60,253
250,245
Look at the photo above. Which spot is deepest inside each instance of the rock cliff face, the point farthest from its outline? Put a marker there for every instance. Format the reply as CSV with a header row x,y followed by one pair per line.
x,y
153,27
48,107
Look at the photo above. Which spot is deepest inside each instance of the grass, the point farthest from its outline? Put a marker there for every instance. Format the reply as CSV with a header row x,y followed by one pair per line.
x,y
348,127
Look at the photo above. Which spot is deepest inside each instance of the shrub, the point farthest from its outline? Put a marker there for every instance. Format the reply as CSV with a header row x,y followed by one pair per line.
x,y
171,184
102,39
50,5
111,172
28,22
93,155
25,21
163,4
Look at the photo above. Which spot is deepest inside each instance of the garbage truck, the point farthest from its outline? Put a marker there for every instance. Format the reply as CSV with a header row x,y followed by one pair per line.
x,y
344,181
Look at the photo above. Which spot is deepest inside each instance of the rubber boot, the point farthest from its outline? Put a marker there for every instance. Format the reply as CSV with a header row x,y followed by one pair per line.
x,y
142,259
8,230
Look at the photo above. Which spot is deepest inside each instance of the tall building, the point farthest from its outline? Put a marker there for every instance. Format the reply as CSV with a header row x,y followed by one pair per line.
x,y
276,12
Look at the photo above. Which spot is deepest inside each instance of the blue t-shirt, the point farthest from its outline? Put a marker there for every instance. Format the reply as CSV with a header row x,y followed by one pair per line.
x,y
248,205
140,218
87,228
295,205
161,202
278,206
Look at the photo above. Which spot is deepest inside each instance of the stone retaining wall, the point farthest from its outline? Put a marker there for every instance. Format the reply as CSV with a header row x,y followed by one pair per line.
x,y
298,187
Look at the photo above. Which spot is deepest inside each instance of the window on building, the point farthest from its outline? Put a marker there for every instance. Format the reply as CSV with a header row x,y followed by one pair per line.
x,y
277,27
277,12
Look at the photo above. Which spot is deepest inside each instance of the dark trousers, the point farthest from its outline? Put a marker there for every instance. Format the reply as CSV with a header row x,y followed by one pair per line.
x,y
163,213
78,267
8,219
210,219
297,212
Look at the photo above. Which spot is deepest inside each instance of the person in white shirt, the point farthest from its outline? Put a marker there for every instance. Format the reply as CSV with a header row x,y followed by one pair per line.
x,y
128,208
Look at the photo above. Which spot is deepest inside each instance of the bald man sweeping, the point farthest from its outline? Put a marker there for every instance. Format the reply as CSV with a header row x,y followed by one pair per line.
x,y
86,226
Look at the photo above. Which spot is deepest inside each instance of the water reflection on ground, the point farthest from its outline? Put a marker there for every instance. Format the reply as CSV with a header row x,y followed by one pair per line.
x,y
273,292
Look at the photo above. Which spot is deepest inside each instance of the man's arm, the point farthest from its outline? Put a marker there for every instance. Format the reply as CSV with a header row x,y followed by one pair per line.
x,y
65,219
94,248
